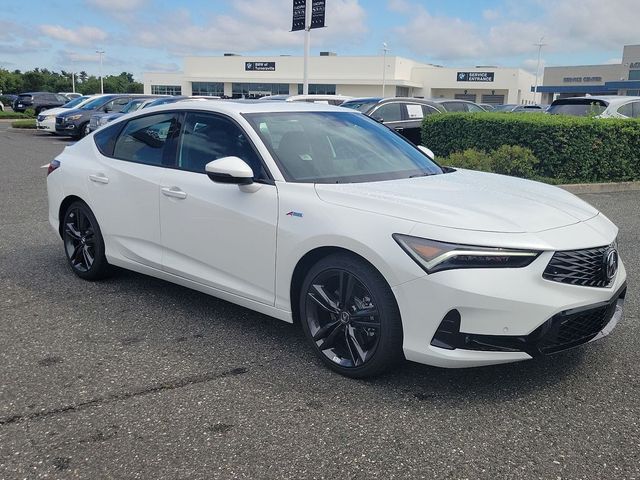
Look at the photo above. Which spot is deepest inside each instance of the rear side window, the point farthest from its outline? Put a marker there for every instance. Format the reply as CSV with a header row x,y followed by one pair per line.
x,y
631,110
455,106
149,140
582,107
106,137
389,112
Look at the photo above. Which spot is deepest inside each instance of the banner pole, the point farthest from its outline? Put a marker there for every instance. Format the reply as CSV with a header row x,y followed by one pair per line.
x,y
307,41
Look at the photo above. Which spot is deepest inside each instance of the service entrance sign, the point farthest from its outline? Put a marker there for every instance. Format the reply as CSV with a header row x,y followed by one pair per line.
x,y
475,76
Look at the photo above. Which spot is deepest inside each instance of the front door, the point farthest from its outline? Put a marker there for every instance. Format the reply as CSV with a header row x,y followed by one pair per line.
x,y
212,233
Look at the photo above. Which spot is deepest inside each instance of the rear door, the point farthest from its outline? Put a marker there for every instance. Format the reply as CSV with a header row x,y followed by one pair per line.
x,y
124,185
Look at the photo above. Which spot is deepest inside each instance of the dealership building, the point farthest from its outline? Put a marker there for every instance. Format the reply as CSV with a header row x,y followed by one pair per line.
x,y
611,79
252,77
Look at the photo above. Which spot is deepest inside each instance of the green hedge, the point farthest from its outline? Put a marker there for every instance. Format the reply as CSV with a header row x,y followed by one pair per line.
x,y
27,123
11,115
569,149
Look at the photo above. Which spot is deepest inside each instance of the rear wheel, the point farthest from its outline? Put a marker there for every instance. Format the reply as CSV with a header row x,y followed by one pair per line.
x,y
83,242
350,317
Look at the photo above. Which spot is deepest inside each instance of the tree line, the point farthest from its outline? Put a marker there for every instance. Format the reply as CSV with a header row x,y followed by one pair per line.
x,y
43,80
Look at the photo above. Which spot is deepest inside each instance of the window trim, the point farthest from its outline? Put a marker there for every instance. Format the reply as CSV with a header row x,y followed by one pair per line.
x,y
181,115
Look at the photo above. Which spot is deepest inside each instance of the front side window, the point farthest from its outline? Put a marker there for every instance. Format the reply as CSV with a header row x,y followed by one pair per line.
x,y
338,147
116,105
148,140
455,106
207,137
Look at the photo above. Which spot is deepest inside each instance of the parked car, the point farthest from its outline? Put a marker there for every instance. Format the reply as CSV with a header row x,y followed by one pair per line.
x,y
321,215
38,101
605,106
488,106
46,120
327,99
71,95
75,122
403,115
459,105
99,119
516,108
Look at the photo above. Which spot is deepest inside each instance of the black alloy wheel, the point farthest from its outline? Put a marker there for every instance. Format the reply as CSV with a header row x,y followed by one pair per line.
x,y
83,243
350,316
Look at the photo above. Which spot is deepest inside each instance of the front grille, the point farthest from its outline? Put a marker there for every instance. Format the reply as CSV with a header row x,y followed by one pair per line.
x,y
579,267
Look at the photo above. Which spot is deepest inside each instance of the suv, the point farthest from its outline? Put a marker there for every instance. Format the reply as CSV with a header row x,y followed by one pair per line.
x,y
38,101
100,118
605,106
75,123
404,115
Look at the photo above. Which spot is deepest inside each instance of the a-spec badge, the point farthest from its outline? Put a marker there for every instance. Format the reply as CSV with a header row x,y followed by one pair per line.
x,y
294,214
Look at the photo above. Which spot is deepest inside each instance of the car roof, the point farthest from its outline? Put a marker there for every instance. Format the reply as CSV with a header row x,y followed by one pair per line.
x,y
240,107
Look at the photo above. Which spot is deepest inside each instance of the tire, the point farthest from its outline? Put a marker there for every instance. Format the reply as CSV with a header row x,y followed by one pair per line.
x,y
83,242
83,131
360,337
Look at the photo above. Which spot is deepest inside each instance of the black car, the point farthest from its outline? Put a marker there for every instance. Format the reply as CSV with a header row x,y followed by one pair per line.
x,y
38,101
75,123
455,105
404,115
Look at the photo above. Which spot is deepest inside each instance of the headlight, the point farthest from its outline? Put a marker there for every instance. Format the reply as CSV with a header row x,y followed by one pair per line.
x,y
73,117
101,121
435,256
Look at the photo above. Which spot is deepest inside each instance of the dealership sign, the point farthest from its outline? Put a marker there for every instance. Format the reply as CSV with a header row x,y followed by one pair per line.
x,y
475,76
300,12
260,66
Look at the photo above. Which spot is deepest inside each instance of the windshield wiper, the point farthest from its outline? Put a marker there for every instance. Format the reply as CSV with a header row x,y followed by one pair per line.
x,y
424,174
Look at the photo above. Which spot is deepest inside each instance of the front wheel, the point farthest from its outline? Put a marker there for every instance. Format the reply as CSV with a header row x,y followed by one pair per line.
x,y
83,242
350,316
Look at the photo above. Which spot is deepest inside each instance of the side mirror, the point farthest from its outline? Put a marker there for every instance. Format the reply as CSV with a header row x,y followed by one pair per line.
x,y
426,151
106,109
232,170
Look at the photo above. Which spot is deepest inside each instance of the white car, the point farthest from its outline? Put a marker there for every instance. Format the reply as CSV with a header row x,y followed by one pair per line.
x,y
311,98
605,106
46,119
319,214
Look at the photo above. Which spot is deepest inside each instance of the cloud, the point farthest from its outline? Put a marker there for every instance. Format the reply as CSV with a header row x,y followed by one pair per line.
x,y
70,57
25,46
117,6
259,25
402,6
568,26
81,36
161,67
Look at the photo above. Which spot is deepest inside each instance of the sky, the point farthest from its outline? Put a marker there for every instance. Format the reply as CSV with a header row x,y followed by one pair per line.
x,y
154,35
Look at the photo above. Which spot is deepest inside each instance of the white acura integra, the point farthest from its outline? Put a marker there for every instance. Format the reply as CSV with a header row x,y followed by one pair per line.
x,y
319,214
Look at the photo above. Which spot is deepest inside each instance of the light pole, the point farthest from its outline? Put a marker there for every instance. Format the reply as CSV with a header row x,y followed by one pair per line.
x,y
73,82
384,66
101,53
307,47
535,89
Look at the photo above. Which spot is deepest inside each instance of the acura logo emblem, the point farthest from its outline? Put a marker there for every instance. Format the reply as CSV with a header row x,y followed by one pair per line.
x,y
610,261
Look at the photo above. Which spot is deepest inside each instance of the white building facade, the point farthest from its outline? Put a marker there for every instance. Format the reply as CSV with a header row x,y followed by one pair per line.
x,y
251,77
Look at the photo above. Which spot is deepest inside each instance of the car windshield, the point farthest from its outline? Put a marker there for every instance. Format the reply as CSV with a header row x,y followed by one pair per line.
x,y
75,102
582,107
504,108
361,105
132,106
93,104
338,147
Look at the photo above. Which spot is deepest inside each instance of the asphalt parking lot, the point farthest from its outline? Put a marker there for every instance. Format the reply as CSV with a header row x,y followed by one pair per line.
x,y
134,377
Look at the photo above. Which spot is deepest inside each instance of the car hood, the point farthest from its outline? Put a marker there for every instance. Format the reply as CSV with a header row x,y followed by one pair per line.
x,y
53,111
465,199
74,111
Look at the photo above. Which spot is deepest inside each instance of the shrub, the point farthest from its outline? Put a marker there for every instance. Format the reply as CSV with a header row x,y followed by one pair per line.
x,y
10,115
569,149
27,123
506,160
30,113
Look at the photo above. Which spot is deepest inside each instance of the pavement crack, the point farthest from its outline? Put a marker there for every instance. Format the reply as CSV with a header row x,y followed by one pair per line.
x,y
115,397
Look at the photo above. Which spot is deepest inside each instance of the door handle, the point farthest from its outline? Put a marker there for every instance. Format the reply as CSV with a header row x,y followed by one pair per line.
x,y
399,129
174,192
99,178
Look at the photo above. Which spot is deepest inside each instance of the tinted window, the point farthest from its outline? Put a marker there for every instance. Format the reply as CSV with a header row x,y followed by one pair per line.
x,y
429,110
106,137
116,105
73,103
389,112
361,105
631,110
208,137
334,147
148,140
475,108
455,106
95,103
582,107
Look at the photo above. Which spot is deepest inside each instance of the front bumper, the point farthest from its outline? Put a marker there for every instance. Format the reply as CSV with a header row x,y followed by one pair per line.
x,y
46,123
507,303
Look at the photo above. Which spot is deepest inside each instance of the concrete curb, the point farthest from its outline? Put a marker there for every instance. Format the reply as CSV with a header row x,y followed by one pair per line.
x,y
578,188
23,130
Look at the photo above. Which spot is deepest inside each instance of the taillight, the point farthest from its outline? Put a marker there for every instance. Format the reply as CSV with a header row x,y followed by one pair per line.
x,y
52,166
